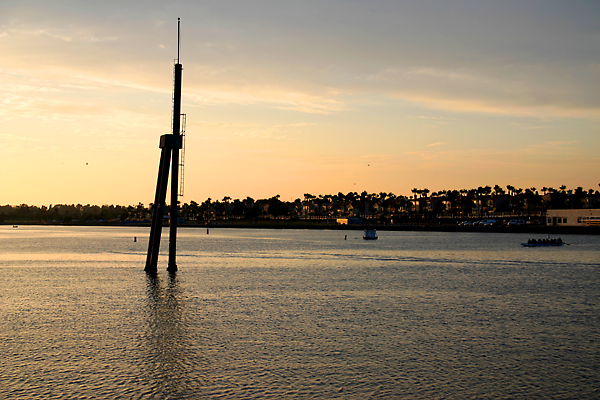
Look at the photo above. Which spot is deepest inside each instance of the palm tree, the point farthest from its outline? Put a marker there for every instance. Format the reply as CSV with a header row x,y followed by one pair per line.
x,y
140,211
352,197
414,192
206,209
484,190
192,210
226,201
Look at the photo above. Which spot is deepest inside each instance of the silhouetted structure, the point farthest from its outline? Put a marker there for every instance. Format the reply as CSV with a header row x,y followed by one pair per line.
x,y
170,145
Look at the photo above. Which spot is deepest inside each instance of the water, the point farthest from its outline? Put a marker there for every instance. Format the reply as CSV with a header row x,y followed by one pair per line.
x,y
297,314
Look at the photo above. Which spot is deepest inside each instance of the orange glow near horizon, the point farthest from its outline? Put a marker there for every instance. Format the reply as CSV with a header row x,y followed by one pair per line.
x,y
372,101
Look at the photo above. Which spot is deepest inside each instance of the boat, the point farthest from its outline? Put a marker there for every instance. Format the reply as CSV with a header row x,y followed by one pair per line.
x,y
544,243
370,234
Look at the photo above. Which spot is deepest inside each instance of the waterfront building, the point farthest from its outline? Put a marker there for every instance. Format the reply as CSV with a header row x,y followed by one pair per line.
x,y
573,217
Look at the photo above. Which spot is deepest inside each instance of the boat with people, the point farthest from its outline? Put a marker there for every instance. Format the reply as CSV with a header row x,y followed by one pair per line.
x,y
544,242
370,234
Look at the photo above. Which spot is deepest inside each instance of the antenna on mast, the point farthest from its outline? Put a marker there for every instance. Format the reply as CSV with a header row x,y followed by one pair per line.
x,y
178,37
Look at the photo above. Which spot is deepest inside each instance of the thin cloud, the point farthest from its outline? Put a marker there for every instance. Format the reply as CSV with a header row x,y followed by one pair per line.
x,y
522,90
436,144
276,98
65,35
432,118
553,147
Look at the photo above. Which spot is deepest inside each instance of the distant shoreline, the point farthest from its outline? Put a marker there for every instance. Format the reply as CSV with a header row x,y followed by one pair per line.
x,y
417,227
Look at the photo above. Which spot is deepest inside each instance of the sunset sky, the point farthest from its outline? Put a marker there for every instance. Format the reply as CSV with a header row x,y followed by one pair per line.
x,y
294,97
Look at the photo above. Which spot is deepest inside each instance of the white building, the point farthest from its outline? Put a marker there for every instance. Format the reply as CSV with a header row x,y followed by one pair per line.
x,y
577,217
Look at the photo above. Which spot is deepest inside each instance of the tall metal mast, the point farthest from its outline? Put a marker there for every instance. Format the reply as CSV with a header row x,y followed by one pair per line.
x,y
170,146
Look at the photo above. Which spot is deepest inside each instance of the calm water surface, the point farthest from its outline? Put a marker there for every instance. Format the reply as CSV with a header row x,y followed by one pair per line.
x,y
297,314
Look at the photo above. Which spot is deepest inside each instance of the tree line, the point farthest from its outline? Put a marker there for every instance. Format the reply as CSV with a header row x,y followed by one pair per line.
x,y
421,203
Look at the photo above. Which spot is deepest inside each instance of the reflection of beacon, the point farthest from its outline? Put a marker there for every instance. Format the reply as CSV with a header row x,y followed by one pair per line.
x,y
169,157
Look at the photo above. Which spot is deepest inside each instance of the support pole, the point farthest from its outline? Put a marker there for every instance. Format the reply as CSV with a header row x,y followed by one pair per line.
x,y
170,145
175,171
158,211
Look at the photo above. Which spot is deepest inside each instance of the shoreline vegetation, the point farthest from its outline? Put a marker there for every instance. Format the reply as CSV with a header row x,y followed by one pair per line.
x,y
445,210
322,225
423,226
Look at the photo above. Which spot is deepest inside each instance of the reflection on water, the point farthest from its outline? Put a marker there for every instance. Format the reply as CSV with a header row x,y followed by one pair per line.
x,y
167,338
165,333
297,314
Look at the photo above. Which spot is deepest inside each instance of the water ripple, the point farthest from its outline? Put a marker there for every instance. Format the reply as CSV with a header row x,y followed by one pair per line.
x,y
417,317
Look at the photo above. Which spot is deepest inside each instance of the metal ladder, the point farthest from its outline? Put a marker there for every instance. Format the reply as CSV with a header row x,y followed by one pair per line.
x,y
182,133
182,154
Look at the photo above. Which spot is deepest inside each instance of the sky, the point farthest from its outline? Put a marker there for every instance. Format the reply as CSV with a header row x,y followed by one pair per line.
x,y
293,97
